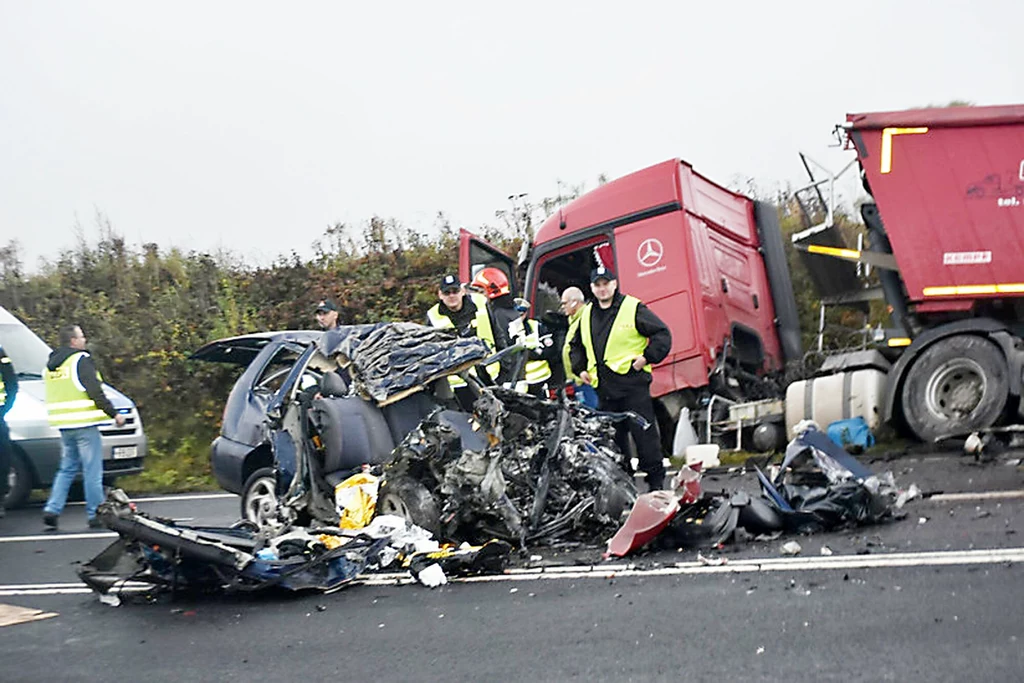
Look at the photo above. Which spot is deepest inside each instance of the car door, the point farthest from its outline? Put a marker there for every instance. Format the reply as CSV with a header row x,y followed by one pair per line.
x,y
268,359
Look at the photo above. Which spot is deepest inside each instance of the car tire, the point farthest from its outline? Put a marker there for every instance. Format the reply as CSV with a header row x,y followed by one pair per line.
x,y
19,481
957,385
408,498
259,496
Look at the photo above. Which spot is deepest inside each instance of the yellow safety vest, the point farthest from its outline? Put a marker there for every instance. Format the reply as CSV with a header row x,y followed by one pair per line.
x,y
624,342
537,371
481,323
67,403
574,324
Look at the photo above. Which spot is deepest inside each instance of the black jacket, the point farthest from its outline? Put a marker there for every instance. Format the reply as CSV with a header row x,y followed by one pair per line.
x,y
612,384
10,377
503,312
462,319
87,375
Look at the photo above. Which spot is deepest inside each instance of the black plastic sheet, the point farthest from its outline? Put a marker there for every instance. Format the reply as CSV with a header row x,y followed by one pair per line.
x,y
389,358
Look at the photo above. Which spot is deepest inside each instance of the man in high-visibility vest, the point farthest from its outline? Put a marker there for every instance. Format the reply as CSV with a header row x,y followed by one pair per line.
x,y
536,369
617,342
77,406
8,390
572,307
467,314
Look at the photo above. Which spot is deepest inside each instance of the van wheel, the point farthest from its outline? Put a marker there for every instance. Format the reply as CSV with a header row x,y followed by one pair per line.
x,y
406,497
19,481
957,385
259,497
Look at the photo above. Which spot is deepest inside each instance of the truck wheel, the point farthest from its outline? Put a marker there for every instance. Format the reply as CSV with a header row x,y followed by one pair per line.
x,y
957,385
406,497
19,481
259,496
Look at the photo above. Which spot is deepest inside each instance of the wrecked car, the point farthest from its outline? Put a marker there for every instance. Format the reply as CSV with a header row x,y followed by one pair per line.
x,y
153,554
517,468
520,469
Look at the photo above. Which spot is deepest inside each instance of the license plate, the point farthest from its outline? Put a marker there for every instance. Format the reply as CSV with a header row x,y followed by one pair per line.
x,y
125,452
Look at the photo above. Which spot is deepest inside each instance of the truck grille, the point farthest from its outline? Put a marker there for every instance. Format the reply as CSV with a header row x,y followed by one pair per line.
x,y
130,427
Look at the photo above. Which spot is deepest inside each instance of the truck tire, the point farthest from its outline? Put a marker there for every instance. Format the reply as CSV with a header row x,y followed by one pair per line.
x,y
406,497
259,496
19,481
958,385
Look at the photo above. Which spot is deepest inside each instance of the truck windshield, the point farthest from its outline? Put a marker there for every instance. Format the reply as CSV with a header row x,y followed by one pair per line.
x,y
27,352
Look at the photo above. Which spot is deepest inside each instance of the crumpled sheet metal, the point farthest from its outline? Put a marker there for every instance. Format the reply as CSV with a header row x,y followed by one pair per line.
x,y
388,359
167,555
530,475
819,487
838,491
179,557
652,512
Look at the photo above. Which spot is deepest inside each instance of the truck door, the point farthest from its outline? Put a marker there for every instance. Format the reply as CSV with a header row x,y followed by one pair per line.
x,y
475,254
653,264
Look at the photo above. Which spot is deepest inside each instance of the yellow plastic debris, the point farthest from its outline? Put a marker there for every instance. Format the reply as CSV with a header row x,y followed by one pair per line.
x,y
356,500
331,542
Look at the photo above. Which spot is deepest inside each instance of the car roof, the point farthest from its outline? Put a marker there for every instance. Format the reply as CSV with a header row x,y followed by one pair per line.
x,y
244,348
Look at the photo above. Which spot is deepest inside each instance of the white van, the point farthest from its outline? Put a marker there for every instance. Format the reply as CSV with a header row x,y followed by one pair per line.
x,y
36,444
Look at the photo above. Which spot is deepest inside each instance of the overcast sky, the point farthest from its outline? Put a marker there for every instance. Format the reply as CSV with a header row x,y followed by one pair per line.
x,y
253,126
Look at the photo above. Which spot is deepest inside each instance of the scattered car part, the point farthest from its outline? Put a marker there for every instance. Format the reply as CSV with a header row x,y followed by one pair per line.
x,y
650,514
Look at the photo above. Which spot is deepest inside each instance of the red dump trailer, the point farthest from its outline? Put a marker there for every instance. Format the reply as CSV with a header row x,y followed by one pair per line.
x,y
946,223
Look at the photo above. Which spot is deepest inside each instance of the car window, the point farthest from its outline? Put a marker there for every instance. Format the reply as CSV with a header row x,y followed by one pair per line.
x,y
276,371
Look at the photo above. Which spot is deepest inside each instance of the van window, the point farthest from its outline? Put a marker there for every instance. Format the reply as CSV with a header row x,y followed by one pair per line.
x,y
27,352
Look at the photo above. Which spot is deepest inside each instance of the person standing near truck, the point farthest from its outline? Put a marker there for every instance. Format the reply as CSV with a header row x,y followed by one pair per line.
x,y
467,314
77,406
572,302
8,390
615,345
536,370
493,283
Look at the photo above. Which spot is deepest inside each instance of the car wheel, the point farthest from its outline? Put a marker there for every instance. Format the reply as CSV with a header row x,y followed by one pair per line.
x,y
958,385
19,482
259,497
406,497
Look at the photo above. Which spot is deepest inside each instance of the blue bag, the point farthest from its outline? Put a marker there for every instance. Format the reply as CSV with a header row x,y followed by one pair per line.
x,y
851,433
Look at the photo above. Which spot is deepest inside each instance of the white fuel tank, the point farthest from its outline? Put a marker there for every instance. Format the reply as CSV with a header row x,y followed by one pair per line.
x,y
837,397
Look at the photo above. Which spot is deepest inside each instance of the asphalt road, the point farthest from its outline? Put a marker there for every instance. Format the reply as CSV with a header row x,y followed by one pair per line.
x,y
936,596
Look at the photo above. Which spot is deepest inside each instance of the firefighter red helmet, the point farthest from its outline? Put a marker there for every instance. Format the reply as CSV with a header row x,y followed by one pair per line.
x,y
492,282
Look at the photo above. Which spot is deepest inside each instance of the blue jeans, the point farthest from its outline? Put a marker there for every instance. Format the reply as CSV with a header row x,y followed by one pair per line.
x,y
81,449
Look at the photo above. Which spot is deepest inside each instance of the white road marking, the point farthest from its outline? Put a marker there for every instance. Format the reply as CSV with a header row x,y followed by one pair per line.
x,y
57,536
620,570
981,495
835,562
172,498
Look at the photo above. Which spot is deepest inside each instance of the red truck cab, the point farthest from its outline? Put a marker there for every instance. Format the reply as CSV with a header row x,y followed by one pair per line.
x,y
706,260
